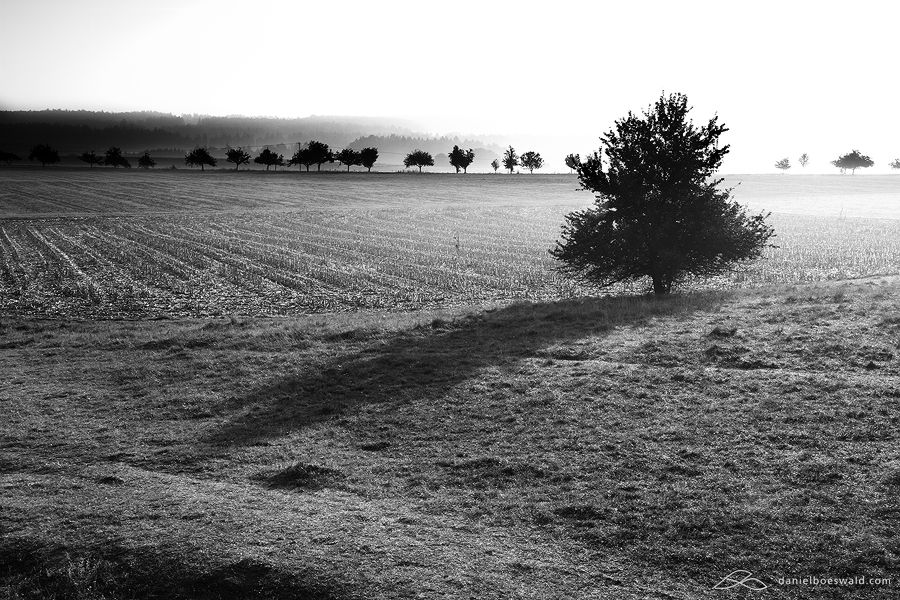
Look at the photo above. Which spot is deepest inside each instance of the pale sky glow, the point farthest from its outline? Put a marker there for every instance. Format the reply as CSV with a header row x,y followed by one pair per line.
x,y
785,77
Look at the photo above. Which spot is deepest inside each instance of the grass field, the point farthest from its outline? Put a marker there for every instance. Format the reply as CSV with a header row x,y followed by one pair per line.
x,y
503,436
103,244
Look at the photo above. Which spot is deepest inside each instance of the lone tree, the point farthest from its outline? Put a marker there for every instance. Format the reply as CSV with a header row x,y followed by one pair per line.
x,y
114,158
199,156
145,162
44,154
91,159
9,157
319,153
349,157
894,165
269,158
418,158
572,161
367,157
784,164
510,159
531,161
853,161
658,213
803,160
495,164
238,156
461,159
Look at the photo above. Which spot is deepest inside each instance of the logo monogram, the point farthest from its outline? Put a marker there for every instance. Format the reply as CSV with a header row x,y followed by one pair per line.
x,y
740,578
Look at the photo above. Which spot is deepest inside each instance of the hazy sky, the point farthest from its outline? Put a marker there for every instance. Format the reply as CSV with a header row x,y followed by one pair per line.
x,y
786,77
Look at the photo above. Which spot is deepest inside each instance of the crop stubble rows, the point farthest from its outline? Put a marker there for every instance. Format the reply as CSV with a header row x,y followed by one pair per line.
x,y
224,244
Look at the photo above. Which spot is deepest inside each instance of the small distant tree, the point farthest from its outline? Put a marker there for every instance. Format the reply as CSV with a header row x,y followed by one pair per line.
x,y
319,153
44,154
418,158
510,159
269,158
495,164
349,157
531,161
114,158
572,161
91,159
367,157
238,156
784,164
302,157
145,162
658,213
894,165
9,157
461,159
803,160
199,156
853,161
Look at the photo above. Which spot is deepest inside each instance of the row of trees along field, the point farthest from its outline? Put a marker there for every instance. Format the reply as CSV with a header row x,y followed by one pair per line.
x,y
851,161
315,153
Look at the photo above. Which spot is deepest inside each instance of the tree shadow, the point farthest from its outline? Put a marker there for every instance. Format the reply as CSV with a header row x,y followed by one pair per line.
x,y
427,361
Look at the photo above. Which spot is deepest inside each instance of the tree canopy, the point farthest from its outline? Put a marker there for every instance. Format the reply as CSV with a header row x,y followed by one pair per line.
x,y
853,161
349,157
803,160
199,156
658,213
319,153
44,154
572,161
784,164
91,159
145,162
113,158
238,156
531,160
510,159
461,159
9,157
418,158
895,164
495,164
367,157
269,158
302,157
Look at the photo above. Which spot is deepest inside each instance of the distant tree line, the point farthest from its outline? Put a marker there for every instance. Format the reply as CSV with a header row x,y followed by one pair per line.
x,y
847,162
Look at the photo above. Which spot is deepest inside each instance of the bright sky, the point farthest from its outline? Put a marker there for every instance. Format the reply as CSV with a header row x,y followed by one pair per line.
x,y
786,77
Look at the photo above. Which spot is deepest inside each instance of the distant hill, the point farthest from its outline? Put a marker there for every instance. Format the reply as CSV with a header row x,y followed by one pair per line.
x,y
163,134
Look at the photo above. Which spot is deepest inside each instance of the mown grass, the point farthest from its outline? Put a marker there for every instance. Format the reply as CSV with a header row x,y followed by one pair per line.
x,y
590,448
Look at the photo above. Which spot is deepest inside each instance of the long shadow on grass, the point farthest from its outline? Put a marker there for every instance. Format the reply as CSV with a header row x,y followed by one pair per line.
x,y
427,361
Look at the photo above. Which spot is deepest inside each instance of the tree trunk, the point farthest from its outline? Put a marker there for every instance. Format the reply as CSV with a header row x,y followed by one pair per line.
x,y
420,168
661,286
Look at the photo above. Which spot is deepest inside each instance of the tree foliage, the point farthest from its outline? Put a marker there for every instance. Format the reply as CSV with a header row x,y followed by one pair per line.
x,y
531,160
461,159
895,164
495,164
199,156
784,164
572,161
418,158
302,157
510,159
113,158
319,153
9,157
367,157
145,162
238,156
658,212
803,160
44,154
269,158
853,161
349,157
91,159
